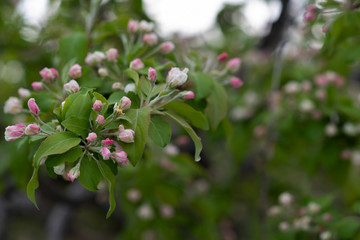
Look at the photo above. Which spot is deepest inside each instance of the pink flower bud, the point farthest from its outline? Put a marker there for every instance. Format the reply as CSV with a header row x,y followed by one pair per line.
x,y
134,195
150,39
105,153
75,71
136,64
121,158
73,174
152,74
321,80
100,119
103,72
112,54
97,105
33,107
222,57
125,135
32,129
133,26
311,8
145,26
14,132
167,211
176,77
71,87
167,47
117,86
93,59
309,16
236,82
188,95
13,106
125,103
107,142
37,86
91,137
24,93
233,64
49,74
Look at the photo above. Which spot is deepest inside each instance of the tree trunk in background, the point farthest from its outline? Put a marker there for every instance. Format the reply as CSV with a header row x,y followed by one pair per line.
x,y
271,41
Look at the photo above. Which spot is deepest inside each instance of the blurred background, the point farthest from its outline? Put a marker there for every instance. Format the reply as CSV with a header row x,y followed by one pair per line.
x,y
275,139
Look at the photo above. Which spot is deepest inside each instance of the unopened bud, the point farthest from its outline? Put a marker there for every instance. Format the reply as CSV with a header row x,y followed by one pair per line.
x,y
125,103
105,153
91,137
33,107
97,105
222,57
71,87
177,77
14,132
107,142
112,54
188,95
24,93
117,86
151,74
126,135
150,39
136,64
75,71
236,82
103,72
133,26
121,158
73,174
100,119
13,106
37,86
167,47
145,26
233,64
49,74
32,129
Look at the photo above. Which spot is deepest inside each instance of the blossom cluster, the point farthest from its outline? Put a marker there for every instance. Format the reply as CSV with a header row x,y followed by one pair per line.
x,y
310,218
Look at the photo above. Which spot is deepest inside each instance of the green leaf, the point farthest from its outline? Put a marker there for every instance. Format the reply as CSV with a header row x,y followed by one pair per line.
x,y
77,125
115,97
73,46
140,119
110,179
55,144
159,131
32,186
202,85
90,175
70,156
78,104
217,107
196,118
132,75
144,85
100,97
347,227
190,131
